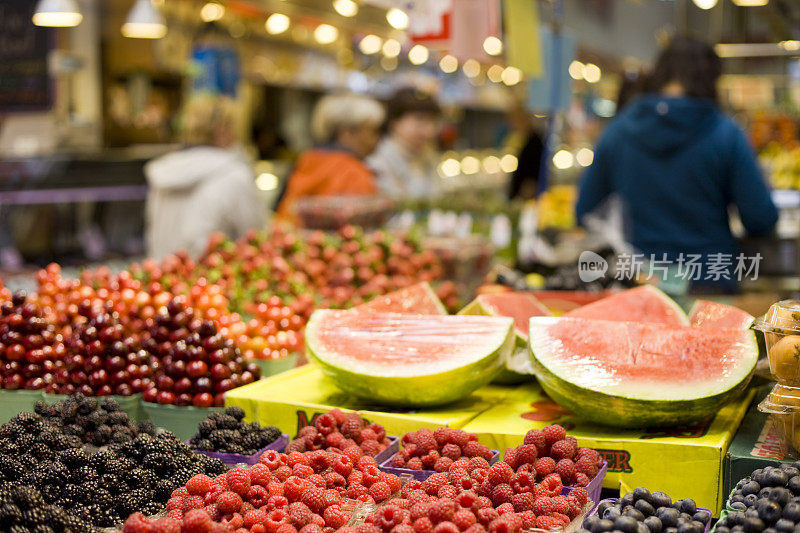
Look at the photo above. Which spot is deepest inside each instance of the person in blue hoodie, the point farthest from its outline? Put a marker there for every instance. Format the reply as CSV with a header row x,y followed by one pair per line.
x,y
678,163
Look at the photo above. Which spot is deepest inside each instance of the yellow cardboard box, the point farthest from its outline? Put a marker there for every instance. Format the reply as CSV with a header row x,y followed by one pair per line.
x,y
684,462
292,399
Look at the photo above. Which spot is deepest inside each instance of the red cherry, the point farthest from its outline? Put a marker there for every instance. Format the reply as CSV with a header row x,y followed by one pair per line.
x,y
119,377
35,356
183,385
15,352
196,369
31,370
203,399
78,377
13,382
123,389
98,378
220,372
183,399
150,395
165,397
115,363
219,399
177,369
104,390
165,383
203,384
93,363
86,390
223,386
247,377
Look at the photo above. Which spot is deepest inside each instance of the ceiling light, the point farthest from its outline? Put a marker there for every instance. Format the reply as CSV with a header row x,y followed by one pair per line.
x,y
576,70
591,73
144,22
563,159
448,64
57,13
493,46
418,54
705,4
397,18
495,73
511,76
751,3
471,68
391,48
346,8
325,34
370,44
212,11
277,23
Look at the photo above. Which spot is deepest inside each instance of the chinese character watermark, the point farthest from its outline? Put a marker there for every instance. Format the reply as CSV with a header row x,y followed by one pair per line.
x,y
714,267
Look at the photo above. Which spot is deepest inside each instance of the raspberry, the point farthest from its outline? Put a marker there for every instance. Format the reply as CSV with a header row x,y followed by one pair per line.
x,y
475,528
342,465
585,465
318,461
352,426
466,499
478,462
523,482
256,516
403,528
446,527
334,481
500,472
526,454
434,482
392,480
580,495
528,519
594,455
563,449
260,475
554,433
353,452
441,435
483,502
474,448
367,528
332,497
175,514
238,480
335,517
317,480
574,508
333,440
415,463
371,475
167,525
199,485
325,424
299,514
429,460
180,492
293,488
193,502
137,523
311,528
423,525
461,438
174,503
543,506
502,493
442,511
257,495
271,459
314,498
447,491
452,451
355,491
581,480
560,505
380,491
505,508
544,467
480,475
197,521
420,509
371,448
356,477
537,438
398,461
486,515
463,519
548,522
296,446
565,468
368,434
229,502
522,502
553,484
443,464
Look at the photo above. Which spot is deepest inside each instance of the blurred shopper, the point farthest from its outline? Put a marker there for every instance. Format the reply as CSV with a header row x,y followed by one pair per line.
x,y
526,142
207,186
405,160
677,163
347,128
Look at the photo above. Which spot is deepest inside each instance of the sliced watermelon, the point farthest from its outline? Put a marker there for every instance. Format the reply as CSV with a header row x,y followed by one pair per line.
x,y
418,299
520,306
642,304
708,314
634,374
408,360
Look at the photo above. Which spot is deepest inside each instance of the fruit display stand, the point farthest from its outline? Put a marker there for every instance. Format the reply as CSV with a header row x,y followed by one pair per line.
x,y
755,445
233,459
13,402
419,475
615,500
271,367
291,400
130,404
670,459
180,420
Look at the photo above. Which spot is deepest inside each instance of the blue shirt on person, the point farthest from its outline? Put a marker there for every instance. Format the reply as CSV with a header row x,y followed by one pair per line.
x,y
677,165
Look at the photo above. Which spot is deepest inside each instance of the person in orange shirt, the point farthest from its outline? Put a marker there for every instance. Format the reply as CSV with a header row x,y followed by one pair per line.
x,y
347,126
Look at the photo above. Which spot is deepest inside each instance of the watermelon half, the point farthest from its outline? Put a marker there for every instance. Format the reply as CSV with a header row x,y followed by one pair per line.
x,y
709,314
634,374
418,299
408,360
520,306
642,304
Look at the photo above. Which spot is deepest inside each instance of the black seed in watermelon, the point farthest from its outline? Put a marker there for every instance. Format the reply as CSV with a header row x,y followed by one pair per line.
x,y
794,485
627,524
653,524
784,525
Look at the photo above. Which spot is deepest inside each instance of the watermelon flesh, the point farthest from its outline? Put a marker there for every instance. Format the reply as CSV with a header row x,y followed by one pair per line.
x,y
408,360
707,314
636,374
417,299
520,306
642,304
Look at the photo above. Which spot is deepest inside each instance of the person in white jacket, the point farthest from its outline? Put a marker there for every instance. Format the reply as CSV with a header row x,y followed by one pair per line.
x,y
207,186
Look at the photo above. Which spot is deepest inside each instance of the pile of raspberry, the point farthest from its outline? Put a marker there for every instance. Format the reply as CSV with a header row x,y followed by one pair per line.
x,y
336,430
437,450
298,492
476,498
551,451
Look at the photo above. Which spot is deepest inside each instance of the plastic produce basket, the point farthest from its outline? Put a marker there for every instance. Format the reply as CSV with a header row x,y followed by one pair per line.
x,y
615,500
271,367
13,402
419,475
130,404
182,421
233,459
722,516
594,487
332,212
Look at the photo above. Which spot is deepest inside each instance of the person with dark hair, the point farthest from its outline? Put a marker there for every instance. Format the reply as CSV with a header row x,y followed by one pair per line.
x,y
678,163
525,179
405,160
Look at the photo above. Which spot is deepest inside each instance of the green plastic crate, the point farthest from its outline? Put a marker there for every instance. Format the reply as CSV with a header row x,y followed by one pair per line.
x,y
182,421
130,404
271,367
13,402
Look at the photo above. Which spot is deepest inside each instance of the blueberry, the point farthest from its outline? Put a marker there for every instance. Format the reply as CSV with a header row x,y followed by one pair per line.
x,y
635,514
762,502
751,513
784,525
677,504
734,518
739,506
671,530
737,529
689,527
753,525
796,529
770,512
686,517
702,517
740,498
770,530
660,499
641,493
653,524
644,507
612,513
603,525
758,476
765,492
790,470
776,478
780,495
626,500
794,484
722,529
792,511
590,521
751,487
750,500
627,524
668,516
603,506
641,527
688,506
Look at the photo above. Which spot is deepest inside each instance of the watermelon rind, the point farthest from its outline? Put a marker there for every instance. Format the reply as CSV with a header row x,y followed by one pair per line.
x,y
592,403
611,305
517,368
394,302
705,313
440,382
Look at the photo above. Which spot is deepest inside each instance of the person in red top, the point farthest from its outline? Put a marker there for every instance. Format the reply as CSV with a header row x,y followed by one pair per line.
x,y
347,126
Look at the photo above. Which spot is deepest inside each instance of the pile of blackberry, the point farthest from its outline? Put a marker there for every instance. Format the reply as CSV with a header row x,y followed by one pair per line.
x,y
227,433
94,421
23,510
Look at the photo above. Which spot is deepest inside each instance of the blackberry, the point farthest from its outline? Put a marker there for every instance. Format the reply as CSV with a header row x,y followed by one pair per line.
x,y
117,418
101,460
102,436
41,408
10,513
42,528
147,427
72,492
235,411
252,443
73,458
26,497
152,508
33,516
205,445
96,419
110,405
87,405
41,451
205,427
163,490
227,422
